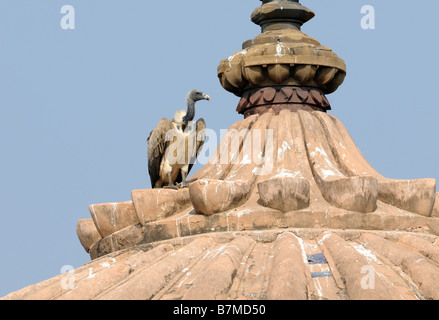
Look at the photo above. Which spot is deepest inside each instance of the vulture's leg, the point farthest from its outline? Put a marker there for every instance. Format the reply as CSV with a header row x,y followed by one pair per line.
x,y
184,171
171,183
168,172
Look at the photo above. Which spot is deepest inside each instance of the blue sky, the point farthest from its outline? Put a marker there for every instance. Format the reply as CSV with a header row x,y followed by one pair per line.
x,y
76,106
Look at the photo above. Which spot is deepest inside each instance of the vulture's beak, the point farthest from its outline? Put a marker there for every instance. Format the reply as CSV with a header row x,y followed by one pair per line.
x,y
206,97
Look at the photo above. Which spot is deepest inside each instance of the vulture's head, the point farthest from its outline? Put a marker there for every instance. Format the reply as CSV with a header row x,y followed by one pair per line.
x,y
192,97
197,95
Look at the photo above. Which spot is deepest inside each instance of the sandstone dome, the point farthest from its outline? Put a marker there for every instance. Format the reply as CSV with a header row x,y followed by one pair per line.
x,y
293,212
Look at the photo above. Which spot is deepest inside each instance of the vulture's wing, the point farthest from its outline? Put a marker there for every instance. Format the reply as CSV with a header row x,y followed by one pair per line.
x,y
201,137
157,145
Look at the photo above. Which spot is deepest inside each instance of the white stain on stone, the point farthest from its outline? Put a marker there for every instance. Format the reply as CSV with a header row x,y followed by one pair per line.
x,y
323,239
230,59
284,173
158,196
242,212
281,151
246,159
367,253
281,50
328,170
90,273
328,173
113,216
318,287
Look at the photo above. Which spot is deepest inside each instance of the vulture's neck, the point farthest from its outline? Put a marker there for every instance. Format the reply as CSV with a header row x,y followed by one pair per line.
x,y
190,113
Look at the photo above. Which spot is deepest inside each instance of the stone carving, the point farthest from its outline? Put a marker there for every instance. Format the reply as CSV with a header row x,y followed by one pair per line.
x,y
111,217
316,177
285,194
259,101
87,233
412,195
157,204
213,196
282,54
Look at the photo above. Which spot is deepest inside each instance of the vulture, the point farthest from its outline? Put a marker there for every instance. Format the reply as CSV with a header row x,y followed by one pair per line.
x,y
173,146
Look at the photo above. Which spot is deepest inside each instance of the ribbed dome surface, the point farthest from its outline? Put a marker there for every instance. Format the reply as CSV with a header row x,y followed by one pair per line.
x,y
278,264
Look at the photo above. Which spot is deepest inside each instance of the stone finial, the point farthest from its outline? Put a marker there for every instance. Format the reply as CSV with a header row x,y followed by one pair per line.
x,y
282,55
278,15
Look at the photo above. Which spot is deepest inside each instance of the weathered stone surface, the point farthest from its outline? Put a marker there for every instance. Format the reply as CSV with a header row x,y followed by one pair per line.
x,y
111,272
352,265
416,196
125,238
157,204
354,193
59,285
290,264
424,274
285,194
344,151
424,247
111,217
146,283
87,233
256,217
289,276
435,211
212,196
217,269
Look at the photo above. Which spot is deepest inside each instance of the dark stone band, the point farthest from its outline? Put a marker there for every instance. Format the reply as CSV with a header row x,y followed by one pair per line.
x,y
277,108
259,101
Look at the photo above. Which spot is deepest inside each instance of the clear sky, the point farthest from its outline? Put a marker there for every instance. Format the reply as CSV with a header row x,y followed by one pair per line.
x,y
76,106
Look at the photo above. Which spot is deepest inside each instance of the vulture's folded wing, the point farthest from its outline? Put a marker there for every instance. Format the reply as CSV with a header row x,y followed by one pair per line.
x,y
201,137
157,144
